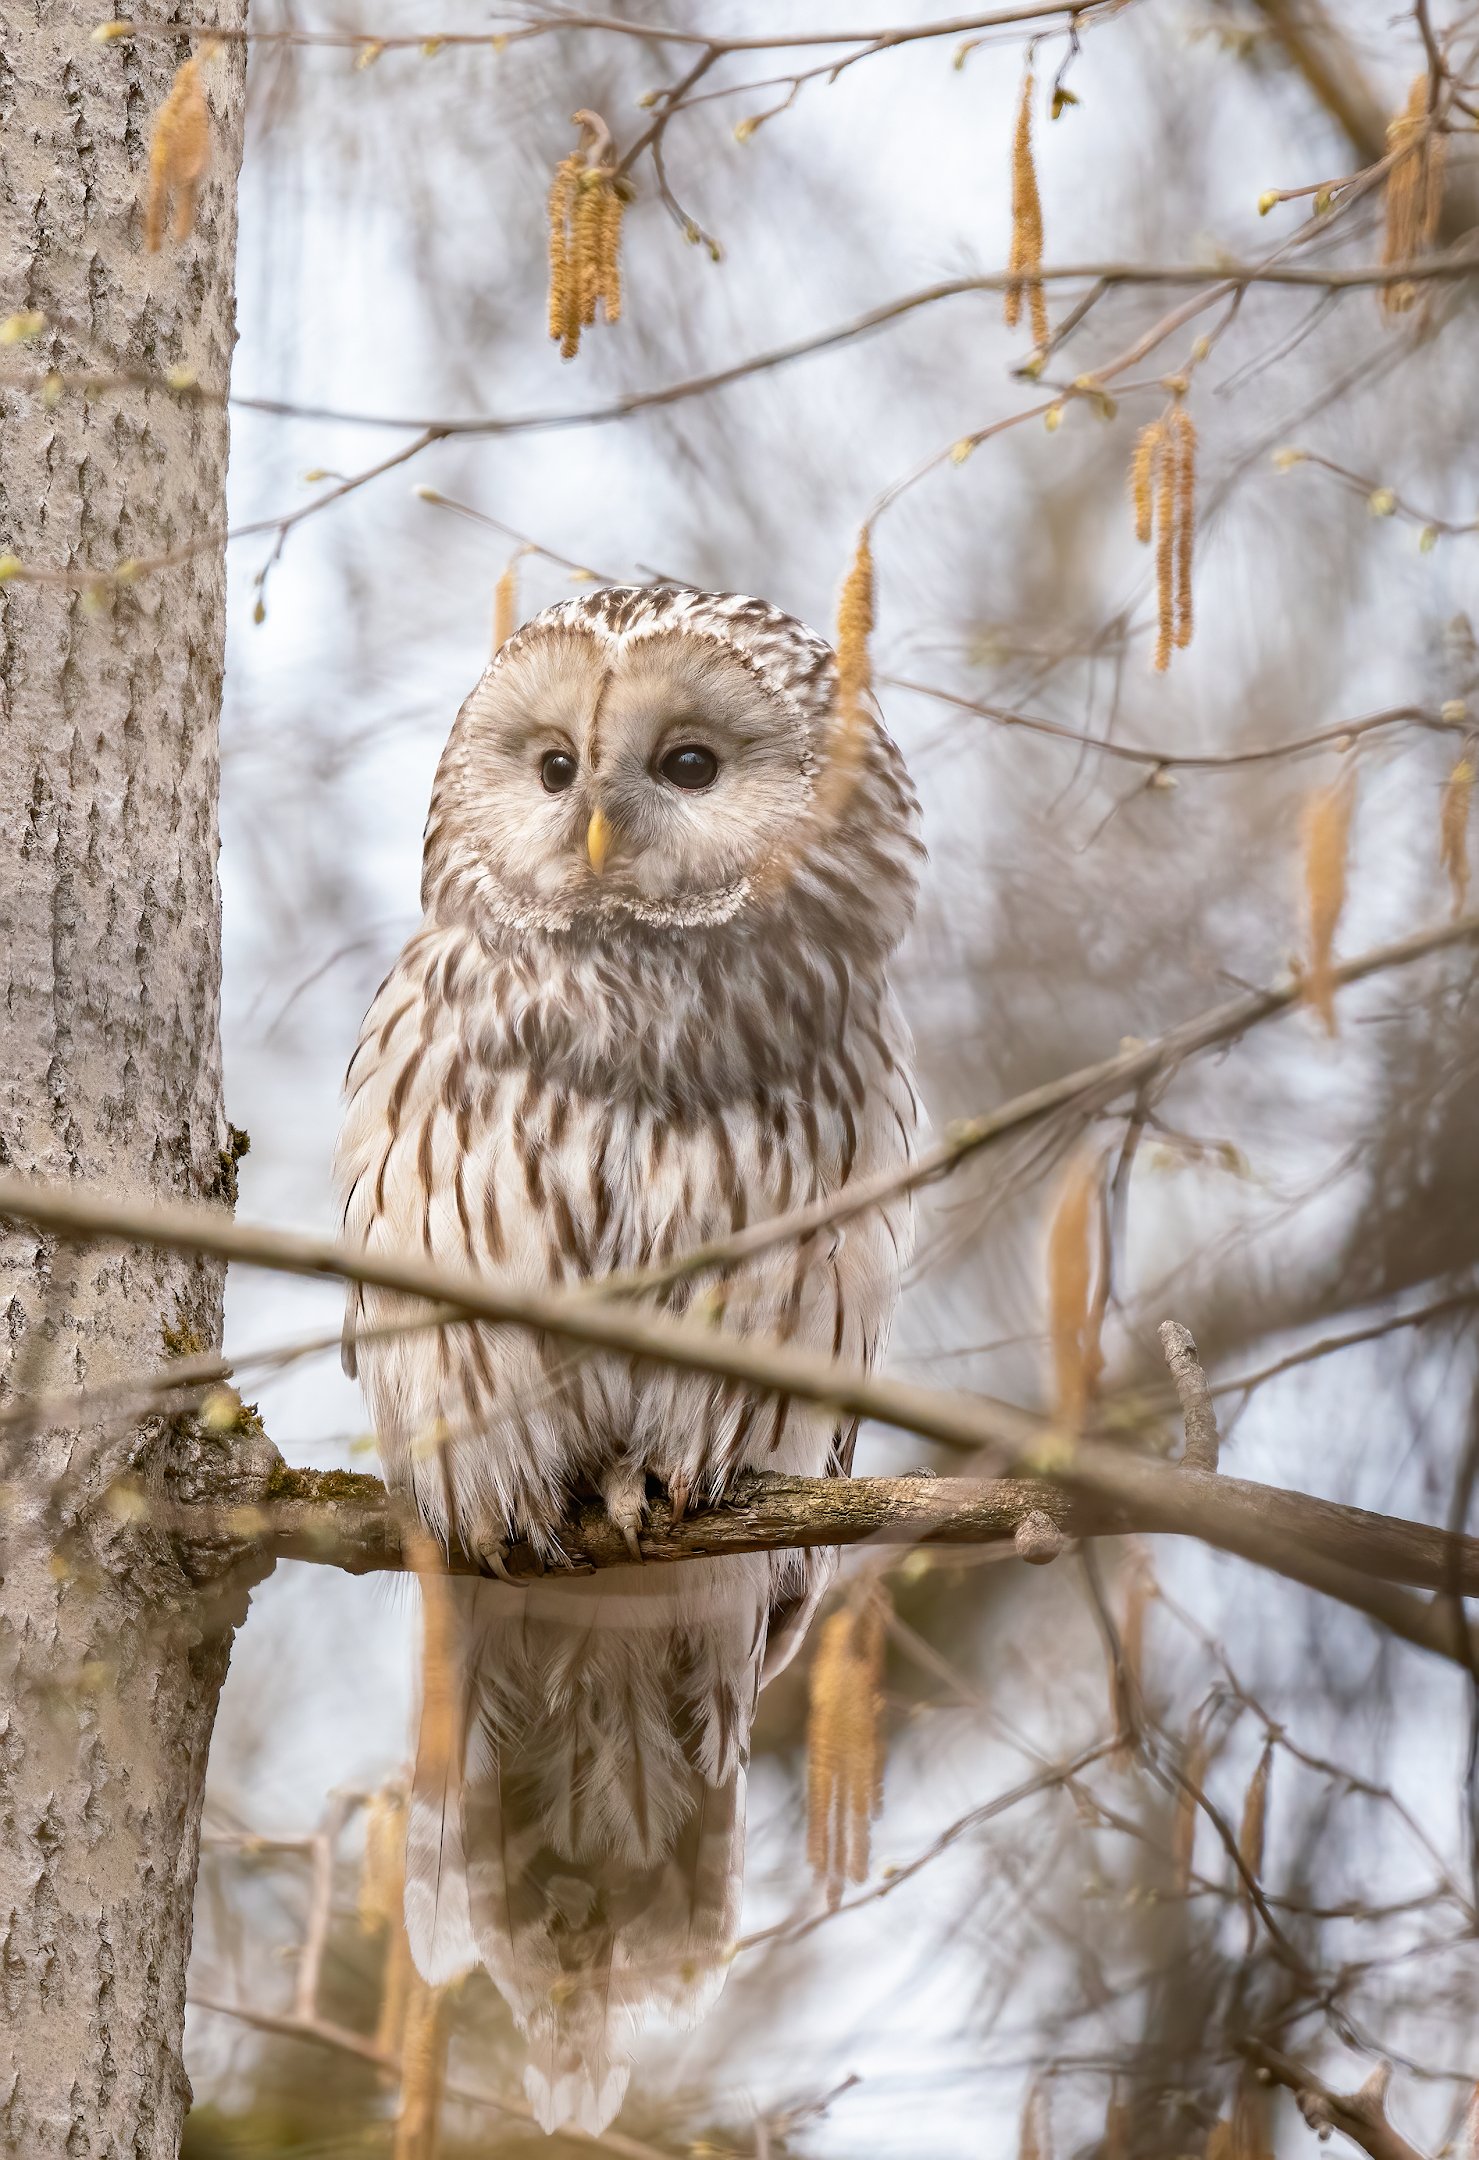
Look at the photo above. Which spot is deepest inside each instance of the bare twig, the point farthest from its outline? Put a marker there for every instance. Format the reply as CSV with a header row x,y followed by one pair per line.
x,y
1196,1401
322,2032
1339,736
518,28
323,1849
1361,2116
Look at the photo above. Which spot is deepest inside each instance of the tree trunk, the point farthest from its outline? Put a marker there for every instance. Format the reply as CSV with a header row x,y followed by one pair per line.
x,y
110,1663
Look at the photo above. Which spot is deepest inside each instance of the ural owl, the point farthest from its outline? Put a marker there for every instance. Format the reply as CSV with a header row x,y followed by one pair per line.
x,y
646,1006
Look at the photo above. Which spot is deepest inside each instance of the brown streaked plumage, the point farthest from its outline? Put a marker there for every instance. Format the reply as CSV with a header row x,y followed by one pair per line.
x,y
639,1014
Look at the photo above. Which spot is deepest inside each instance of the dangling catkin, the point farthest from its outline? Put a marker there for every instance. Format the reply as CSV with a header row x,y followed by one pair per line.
x,y
1074,1314
1255,1815
1250,2138
383,1870
1035,2138
423,2072
855,628
1165,556
382,1890
1163,491
585,207
845,1753
1184,442
1026,249
179,155
1325,831
564,295
1414,192
438,1735
854,679
608,251
506,604
1453,830
1115,2144
585,243
1148,446
1194,1759
1126,1672
1219,2144
396,1977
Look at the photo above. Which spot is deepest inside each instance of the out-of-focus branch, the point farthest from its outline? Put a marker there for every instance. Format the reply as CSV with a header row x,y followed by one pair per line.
x,y
1323,57
1337,736
1091,1089
1226,282
1361,2116
324,2032
532,23
1320,51
1224,277
599,1315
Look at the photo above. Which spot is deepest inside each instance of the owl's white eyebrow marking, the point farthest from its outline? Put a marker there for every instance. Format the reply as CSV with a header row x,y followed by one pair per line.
x,y
593,757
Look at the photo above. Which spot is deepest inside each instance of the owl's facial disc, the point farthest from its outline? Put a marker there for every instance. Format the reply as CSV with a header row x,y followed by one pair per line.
x,y
652,779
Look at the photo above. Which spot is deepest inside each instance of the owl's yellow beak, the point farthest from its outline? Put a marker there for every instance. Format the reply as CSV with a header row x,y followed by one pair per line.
x,y
598,840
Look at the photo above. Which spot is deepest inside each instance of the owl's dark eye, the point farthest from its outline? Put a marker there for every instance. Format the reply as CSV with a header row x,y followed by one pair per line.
x,y
690,767
557,772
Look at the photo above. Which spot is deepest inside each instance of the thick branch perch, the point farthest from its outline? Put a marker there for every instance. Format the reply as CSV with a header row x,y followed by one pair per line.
x,y
348,1521
351,1522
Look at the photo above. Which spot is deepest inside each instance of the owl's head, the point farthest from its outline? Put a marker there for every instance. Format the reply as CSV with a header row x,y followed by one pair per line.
x,y
653,755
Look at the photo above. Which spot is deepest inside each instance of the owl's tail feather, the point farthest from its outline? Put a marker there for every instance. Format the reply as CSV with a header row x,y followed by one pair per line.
x,y
596,1857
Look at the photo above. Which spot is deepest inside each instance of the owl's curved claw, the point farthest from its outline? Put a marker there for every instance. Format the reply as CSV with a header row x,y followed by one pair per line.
x,y
624,1490
678,1498
489,1544
492,1556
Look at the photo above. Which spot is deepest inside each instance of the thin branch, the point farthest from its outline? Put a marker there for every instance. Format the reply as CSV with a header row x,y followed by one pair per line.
x,y
1325,59
1090,1089
1331,1345
1338,736
532,23
1224,278
322,2032
599,1316
1049,1779
323,1850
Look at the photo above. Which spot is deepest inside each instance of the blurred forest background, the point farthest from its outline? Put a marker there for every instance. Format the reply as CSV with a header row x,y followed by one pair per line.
x,y
1021,1970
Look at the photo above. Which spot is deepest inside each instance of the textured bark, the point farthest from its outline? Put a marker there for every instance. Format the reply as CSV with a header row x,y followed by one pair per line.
x,y
344,1519
110,1664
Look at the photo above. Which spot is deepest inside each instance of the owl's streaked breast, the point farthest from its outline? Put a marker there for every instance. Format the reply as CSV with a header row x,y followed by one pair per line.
x,y
555,1115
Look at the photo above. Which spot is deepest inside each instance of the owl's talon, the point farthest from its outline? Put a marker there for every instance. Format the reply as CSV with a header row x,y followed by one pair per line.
x,y
492,1555
489,1543
678,1499
624,1490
